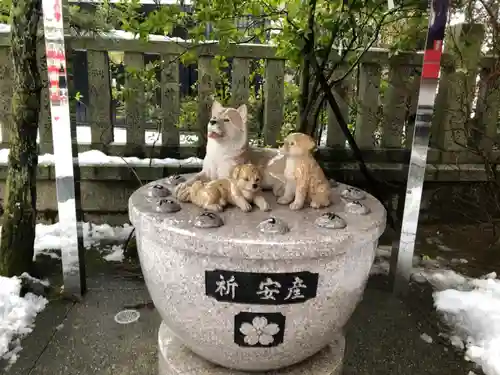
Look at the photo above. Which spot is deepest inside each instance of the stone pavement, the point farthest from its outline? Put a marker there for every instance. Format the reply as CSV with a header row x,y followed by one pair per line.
x,y
383,336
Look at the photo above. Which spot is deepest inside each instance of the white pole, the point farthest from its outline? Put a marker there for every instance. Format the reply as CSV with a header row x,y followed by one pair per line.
x,y
402,254
70,229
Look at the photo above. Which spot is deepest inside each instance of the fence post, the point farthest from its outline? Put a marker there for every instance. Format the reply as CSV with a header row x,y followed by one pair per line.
x,y
206,90
274,100
463,45
240,82
395,103
44,120
170,103
5,91
135,104
101,125
367,106
487,108
334,135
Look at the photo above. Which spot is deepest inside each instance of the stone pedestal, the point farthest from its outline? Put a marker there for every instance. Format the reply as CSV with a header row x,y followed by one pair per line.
x,y
175,359
255,291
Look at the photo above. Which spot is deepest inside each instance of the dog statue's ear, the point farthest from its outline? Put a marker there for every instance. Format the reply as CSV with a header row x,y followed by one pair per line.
x,y
236,172
216,108
243,111
311,144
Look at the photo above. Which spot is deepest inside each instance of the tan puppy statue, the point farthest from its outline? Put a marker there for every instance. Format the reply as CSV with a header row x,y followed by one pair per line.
x,y
305,180
242,189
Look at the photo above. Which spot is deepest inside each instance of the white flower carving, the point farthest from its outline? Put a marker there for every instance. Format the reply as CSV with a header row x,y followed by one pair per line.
x,y
260,331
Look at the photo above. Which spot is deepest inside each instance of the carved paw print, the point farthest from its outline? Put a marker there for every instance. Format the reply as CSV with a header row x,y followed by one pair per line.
x,y
353,194
175,180
167,205
158,191
273,226
331,221
356,207
208,220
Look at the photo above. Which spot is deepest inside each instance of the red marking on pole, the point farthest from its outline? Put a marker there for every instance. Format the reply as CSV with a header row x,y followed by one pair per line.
x,y
57,11
56,55
432,61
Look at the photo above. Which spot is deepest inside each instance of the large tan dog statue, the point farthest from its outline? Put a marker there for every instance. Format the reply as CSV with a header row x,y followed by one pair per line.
x,y
227,146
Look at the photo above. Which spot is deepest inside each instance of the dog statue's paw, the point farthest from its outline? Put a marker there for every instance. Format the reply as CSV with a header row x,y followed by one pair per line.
x,y
265,207
246,207
315,204
214,207
180,187
296,206
283,200
183,195
278,190
180,190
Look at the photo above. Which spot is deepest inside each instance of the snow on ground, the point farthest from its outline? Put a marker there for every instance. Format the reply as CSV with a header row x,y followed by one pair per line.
x,y
48,239
115,255
17,315
470,307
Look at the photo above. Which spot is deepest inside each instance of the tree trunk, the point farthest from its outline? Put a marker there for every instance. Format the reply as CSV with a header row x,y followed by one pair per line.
x,y
19,218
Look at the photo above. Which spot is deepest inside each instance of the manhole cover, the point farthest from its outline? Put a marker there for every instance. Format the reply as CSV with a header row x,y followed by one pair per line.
x,y
127,316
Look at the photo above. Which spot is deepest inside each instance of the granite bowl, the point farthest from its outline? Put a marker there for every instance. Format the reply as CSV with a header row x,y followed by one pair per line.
x,y
247,295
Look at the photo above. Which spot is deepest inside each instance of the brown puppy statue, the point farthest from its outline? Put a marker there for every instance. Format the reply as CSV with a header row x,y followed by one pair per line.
x,y
241,189
304,178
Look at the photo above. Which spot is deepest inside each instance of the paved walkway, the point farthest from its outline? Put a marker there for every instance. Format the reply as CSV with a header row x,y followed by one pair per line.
x,y
383,336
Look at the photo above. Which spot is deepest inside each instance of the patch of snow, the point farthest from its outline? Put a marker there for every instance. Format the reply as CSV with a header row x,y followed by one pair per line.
x,y
381,264
459,261
59,327
48,237
426,338
98,158
471,307
491,275
17,316
116,254
27,276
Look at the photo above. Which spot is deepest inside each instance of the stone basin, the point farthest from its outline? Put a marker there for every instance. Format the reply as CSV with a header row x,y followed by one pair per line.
x,y
252,300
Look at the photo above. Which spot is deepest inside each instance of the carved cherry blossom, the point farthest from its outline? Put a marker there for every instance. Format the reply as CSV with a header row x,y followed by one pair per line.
x,y
259,332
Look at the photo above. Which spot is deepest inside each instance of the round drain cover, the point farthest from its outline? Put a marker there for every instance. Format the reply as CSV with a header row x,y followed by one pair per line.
x,y
127,316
